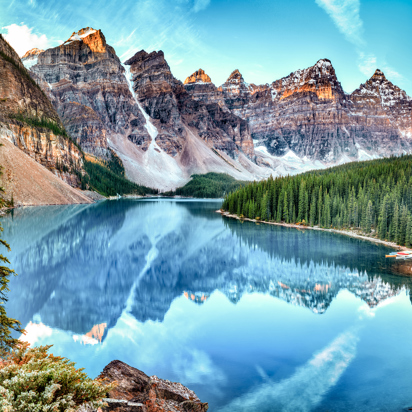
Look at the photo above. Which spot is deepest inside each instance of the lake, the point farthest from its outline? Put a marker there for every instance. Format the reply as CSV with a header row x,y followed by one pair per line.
x,y
251,317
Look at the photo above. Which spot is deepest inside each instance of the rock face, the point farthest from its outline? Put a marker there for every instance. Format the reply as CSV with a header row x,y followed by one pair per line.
x,y
137,392
193,104
28,119
28,183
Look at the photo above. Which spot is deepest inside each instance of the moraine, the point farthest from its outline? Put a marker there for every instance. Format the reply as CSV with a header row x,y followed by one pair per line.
x,y
251,317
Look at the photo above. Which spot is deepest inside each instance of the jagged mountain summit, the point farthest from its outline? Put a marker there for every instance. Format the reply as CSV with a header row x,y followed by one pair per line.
x,y
198,76
396,104
165,130
307,114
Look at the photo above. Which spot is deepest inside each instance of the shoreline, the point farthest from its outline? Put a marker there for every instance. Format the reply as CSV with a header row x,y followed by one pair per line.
x,y
337,231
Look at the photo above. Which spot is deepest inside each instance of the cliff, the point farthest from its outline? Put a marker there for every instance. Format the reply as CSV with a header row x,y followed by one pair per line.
x,y
29,121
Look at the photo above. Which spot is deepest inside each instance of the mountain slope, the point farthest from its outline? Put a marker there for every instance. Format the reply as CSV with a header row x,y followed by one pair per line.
x,y
29,183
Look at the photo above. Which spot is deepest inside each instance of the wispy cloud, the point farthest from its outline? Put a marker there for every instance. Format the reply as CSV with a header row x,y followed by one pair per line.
x,y
367,63
346,16
22,38
305,389
200,5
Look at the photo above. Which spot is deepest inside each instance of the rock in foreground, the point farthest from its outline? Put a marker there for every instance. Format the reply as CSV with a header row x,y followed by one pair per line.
x,y
137,392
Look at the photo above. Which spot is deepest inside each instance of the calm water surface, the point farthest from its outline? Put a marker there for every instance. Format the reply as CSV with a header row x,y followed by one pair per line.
x,y
251,317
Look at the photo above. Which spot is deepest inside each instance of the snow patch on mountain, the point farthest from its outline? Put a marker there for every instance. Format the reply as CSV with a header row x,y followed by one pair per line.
x,y
30,62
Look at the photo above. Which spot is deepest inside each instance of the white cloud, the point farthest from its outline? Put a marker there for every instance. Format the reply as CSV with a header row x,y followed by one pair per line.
x,y
367,63
391,73
34,332
200,5
345,14
22,39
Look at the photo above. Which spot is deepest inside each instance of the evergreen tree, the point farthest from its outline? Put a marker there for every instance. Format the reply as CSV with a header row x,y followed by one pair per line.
x,y
364,195
368,217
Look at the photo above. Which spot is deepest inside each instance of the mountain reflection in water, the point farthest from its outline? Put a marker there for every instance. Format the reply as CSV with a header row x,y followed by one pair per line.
x,y
176,290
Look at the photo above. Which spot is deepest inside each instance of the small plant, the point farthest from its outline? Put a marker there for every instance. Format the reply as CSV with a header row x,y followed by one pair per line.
x,y
33,380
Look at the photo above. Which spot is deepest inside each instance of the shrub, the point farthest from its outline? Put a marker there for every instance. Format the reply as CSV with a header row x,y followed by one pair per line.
x,y
33,380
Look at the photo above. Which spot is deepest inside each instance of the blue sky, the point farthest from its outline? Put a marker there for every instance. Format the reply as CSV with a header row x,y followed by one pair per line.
x,y
265,40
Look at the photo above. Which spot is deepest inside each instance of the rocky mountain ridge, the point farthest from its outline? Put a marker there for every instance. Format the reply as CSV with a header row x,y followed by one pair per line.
x,y
309,114
165,130
139,110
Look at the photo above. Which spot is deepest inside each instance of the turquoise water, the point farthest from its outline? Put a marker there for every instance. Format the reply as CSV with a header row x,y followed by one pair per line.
x,y
251,317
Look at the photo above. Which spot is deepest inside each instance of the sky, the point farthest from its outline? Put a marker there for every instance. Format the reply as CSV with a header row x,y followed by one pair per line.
x,y
265,40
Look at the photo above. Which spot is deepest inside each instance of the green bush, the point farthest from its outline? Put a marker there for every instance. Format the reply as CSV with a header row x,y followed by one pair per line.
x,y
33,380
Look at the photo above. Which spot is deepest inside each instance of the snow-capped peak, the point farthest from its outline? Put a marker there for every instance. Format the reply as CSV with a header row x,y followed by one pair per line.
x,y
80,35
324,63
32,53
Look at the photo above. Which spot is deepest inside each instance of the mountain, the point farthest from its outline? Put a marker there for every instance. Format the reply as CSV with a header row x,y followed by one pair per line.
x,y
30,58
164,130
142,113
308,114
85,81
30,129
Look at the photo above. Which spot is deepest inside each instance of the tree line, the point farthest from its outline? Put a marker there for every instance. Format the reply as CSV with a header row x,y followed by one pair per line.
x,y
374,197
209,185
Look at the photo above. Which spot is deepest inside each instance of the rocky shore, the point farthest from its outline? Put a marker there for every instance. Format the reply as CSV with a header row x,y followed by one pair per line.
x,y
137,392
